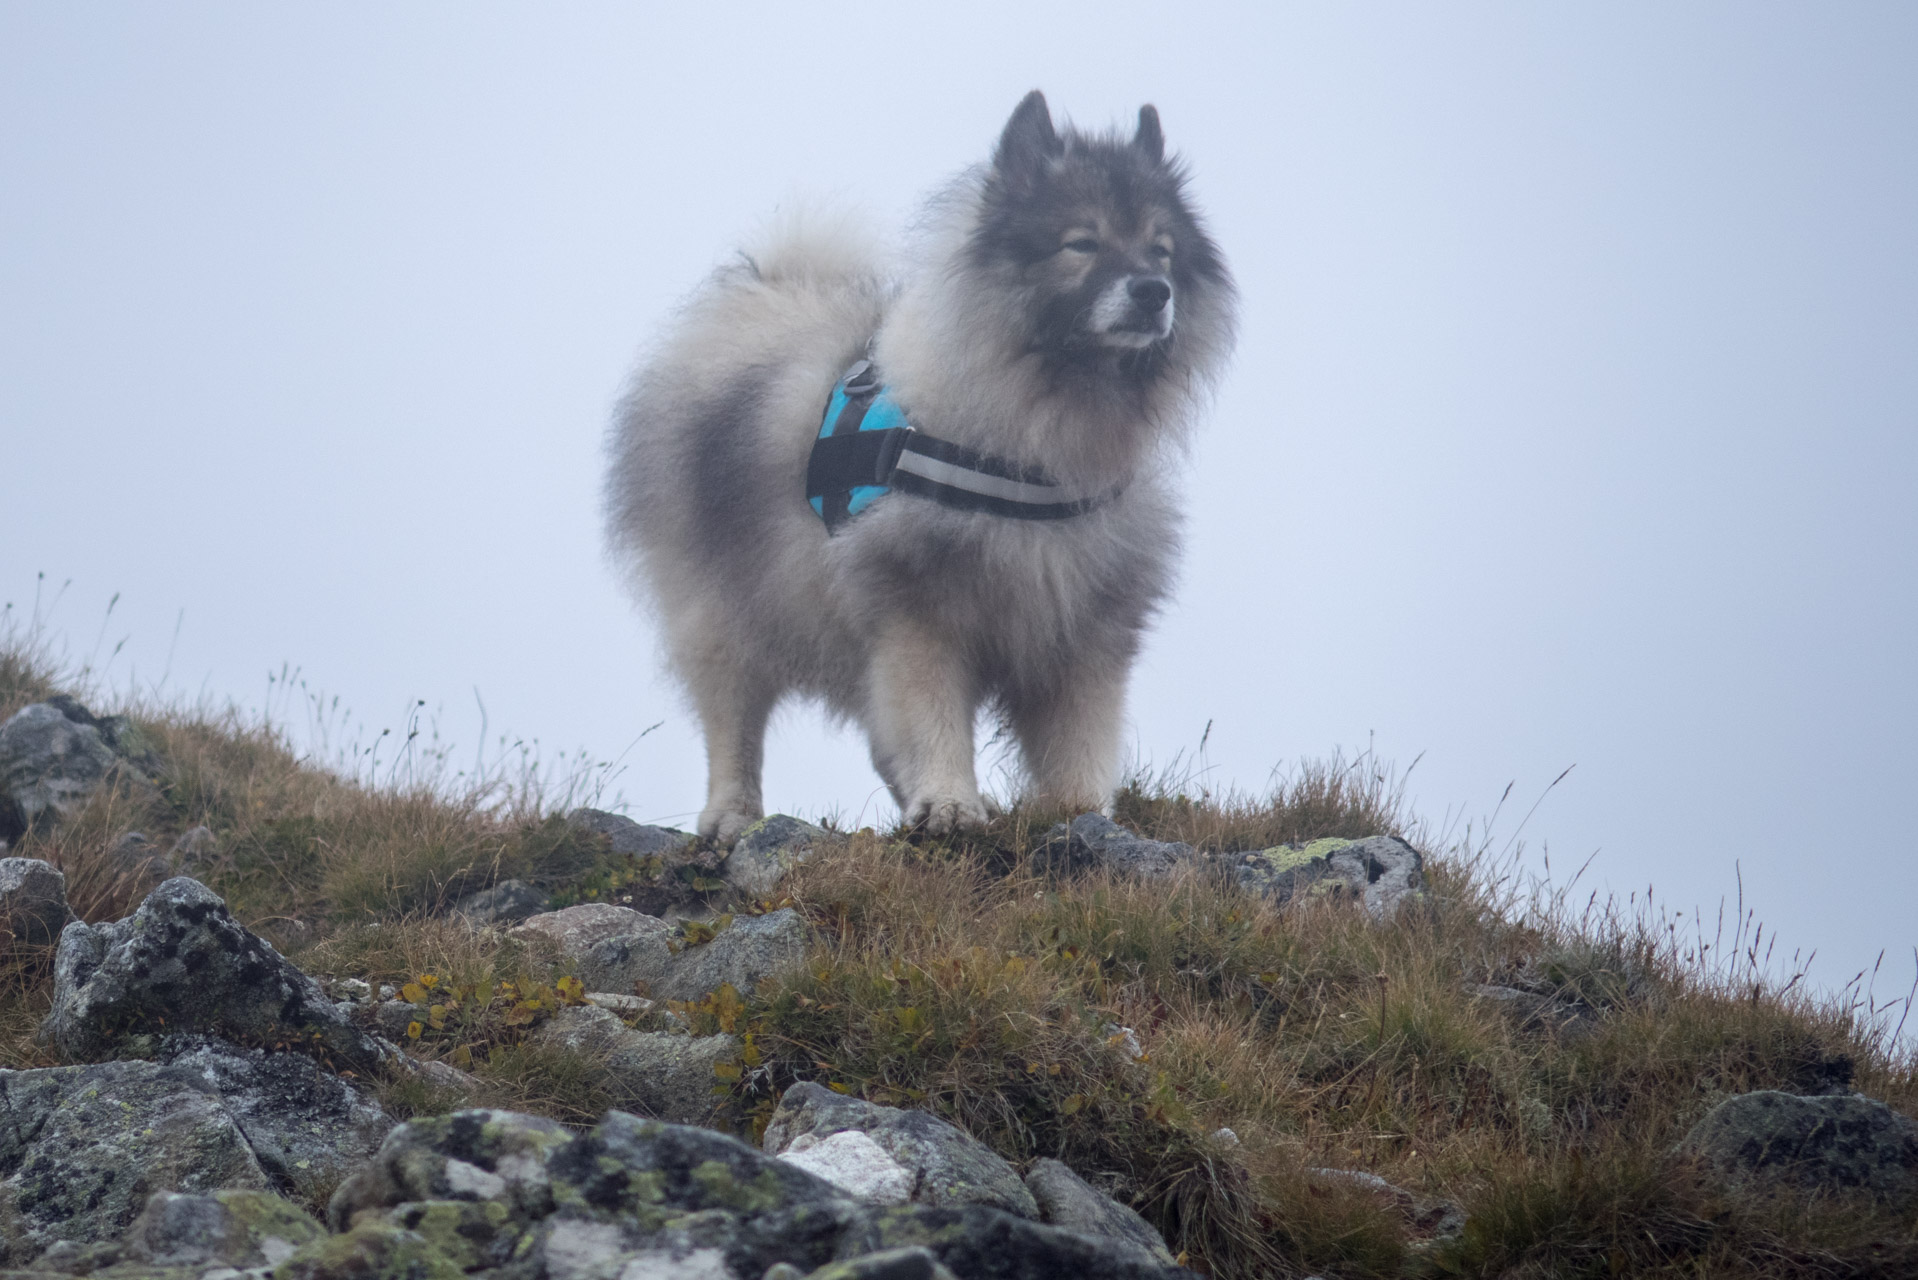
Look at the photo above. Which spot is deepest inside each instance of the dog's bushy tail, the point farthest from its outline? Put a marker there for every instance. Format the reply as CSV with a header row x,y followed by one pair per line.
x,y
810,246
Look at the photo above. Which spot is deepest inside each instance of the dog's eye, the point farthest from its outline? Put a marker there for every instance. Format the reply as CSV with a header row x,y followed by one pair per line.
x,y
1163,252
1084,244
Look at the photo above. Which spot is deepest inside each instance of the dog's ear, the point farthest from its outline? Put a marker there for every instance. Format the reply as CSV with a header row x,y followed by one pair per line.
x,y
1029,141
1149,141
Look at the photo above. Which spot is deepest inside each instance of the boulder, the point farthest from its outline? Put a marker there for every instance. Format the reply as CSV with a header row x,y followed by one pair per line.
x,y
307,1127
33,901
1383,872
665,1074
750,948
225,1228
1067,1200
635,1198
768,849
1772,1141
496,1157
657,870
855,1164
83,1148
1093,841
50,762
182,963
949,1166
629,837
608,948
507,902
979,1243
137,857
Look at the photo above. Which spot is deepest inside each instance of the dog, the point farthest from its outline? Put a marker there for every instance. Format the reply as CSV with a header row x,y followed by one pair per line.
x,y
1039,354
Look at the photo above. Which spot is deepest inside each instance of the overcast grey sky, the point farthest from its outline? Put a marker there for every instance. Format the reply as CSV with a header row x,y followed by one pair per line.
x,y
1572,421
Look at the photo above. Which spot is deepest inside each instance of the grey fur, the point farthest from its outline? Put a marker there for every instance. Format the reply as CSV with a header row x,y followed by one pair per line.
x,y
1005,330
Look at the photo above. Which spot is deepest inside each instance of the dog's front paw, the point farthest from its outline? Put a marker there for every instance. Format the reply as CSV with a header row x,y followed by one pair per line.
x,y
942,815
723,825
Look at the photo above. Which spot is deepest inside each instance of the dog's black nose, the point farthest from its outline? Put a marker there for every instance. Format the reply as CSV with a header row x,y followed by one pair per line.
x,y
1149,293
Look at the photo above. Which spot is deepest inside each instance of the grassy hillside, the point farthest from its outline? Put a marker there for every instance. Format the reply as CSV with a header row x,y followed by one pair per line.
x,y
955,976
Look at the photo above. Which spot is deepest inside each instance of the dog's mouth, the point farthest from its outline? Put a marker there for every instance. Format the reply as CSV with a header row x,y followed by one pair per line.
x,y
1132,313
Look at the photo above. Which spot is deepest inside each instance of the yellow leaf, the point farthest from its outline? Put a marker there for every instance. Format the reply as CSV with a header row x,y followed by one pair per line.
x,y
413,1030
428,981
463,1056
1072,1104
726,1070
836,1087
436,1016
413,993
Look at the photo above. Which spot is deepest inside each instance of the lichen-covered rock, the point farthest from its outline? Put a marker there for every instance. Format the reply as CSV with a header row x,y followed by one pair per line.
x,y
50,762
665,1074
750,948
228,1228
687,1188
33,902
629,837
507,902
609,948
478,1156
1069,1201
307,1127
1093,841
1839,1142
1383,872
915,1263
370,1251
979,1243
767,850
182,963
82,1149
949,1166
474,1234
855,1164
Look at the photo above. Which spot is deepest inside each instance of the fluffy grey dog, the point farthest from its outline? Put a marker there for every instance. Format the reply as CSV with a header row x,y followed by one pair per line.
x,y
1049,341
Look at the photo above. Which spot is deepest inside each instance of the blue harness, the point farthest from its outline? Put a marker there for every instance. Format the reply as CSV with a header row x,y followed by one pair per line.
x,y
867,447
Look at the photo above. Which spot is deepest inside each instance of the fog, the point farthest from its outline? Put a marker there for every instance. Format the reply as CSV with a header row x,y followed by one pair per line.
x,y
1571,423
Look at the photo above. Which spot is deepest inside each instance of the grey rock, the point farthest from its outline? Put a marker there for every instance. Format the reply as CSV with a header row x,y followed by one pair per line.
x,y
608,948
949,1166
227,1228
1094,841
1383,872
989,1244
194,851
507,902
372,1249
182,963
33,901
84,1147
1777,1141
307,1127
474,1234
666,1075
855,1164
1069,1201
49,765
629,837
498,1157
768,849
1536,1012
750,948
913,1263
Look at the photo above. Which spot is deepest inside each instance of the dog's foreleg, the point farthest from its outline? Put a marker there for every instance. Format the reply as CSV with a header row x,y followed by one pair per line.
x,y
920,701
733,710
1068,732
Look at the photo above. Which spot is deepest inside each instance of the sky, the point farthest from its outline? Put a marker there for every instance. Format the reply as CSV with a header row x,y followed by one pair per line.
x,y
1571,424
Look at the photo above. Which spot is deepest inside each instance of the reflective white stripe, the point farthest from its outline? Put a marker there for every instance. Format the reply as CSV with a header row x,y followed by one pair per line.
x,y
979,482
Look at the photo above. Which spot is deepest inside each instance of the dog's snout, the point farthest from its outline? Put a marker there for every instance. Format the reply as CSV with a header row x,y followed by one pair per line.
x,y
1149,293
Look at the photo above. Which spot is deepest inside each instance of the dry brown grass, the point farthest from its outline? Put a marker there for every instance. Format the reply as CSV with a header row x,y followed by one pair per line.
x,y
958,975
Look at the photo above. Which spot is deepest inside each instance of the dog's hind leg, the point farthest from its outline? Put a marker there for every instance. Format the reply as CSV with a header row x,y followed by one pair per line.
x,y
920,700
1068,731
733,709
